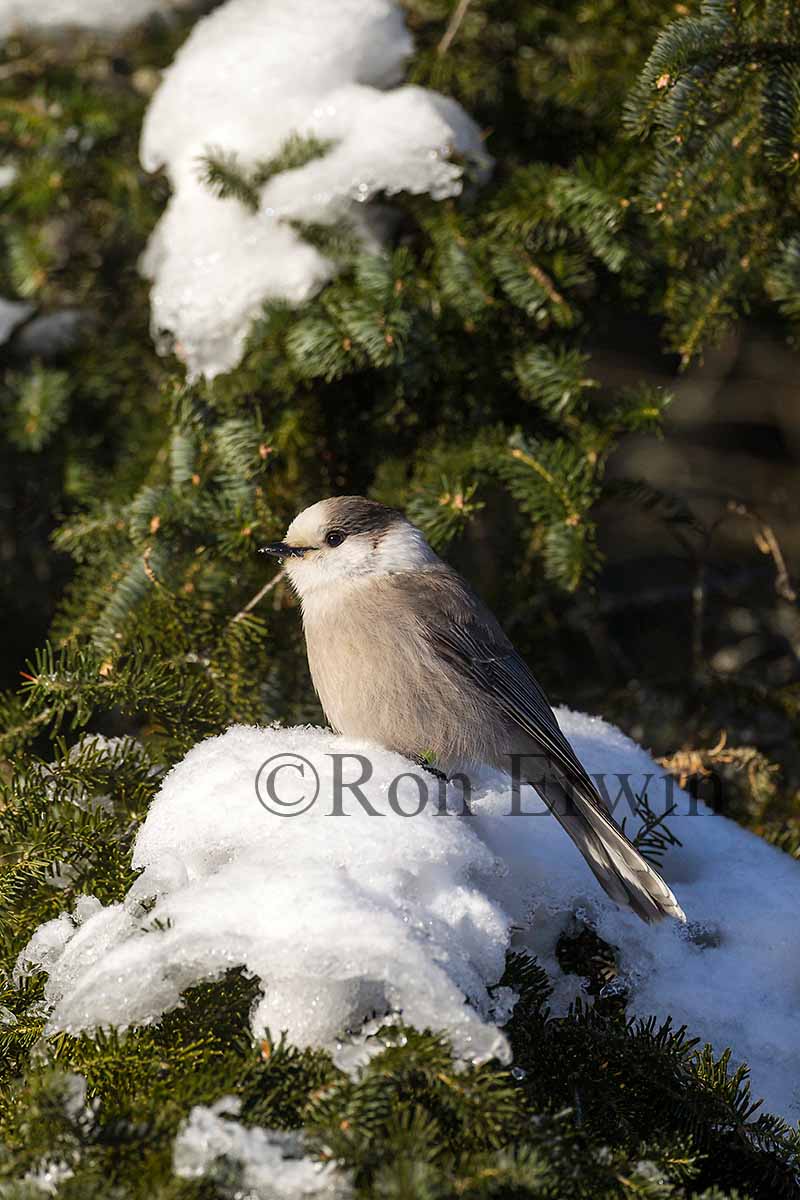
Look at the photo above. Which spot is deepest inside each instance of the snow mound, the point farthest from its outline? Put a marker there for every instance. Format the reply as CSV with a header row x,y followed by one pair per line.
x,y
109,16
345,908
342,915
251,74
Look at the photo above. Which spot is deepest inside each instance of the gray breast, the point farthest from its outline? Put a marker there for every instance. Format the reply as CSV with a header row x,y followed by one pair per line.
x,y
377,678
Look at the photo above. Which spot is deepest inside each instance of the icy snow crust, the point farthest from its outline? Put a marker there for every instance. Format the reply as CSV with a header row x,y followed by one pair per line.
x,y
343,916
250,74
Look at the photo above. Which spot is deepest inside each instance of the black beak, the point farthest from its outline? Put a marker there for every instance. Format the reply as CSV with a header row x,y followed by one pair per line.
x,y
282,550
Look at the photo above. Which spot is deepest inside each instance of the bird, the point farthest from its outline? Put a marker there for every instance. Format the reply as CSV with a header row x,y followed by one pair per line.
x,y
403,652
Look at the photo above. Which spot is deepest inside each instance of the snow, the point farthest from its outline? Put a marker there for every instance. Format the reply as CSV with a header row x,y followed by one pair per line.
x,y
110,16
357,914
47,1180
252,73
343,915
12,313
732,974
272,1162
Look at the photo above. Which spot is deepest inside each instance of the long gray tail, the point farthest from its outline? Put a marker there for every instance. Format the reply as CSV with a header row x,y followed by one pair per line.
x,y
621,870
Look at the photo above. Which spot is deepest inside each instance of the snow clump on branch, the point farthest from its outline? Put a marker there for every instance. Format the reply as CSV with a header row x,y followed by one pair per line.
x,y
252,75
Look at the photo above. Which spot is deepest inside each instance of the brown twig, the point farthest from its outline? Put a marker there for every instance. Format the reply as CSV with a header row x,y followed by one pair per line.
x,y
768,543
459,12
148,567
259,596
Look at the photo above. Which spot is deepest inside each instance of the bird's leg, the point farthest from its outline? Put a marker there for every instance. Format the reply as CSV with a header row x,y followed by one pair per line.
x,y
424,760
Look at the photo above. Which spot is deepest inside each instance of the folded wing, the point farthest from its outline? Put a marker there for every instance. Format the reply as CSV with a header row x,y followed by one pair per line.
x,y
468,638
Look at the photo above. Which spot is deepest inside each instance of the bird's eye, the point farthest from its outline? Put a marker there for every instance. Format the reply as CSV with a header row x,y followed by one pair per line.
x,y
335,537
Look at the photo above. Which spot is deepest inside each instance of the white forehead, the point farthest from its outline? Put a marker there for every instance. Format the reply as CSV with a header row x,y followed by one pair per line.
x,y
306,526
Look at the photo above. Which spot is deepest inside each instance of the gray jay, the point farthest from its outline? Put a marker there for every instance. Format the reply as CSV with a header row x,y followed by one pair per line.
x,y
402,652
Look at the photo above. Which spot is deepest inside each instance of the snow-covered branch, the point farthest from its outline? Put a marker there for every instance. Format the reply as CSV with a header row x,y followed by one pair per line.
x,y
371,912
250,76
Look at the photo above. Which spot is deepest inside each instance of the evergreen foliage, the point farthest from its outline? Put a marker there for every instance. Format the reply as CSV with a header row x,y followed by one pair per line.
x,y
225,176
453,376
720,95
576,1112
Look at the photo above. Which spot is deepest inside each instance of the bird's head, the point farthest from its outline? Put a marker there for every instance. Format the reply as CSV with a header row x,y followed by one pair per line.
x,y
347,538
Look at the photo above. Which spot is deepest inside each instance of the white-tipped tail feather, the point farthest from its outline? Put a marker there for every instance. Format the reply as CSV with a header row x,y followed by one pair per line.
x,y
619,867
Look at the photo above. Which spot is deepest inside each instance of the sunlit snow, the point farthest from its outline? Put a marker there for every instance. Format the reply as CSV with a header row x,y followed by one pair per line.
x,y
250,74
367,912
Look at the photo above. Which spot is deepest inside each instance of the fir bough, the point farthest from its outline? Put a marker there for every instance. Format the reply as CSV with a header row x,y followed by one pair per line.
x,y
452,375
720,96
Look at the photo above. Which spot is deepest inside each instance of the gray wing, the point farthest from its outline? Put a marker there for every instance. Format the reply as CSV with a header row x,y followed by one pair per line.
x,y
464,634
500,673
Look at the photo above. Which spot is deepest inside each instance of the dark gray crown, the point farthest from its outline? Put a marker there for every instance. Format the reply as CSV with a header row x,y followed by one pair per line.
x,y
356,514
